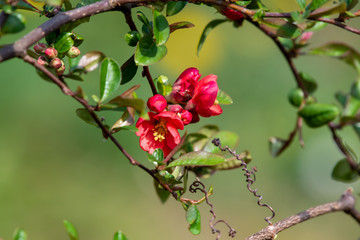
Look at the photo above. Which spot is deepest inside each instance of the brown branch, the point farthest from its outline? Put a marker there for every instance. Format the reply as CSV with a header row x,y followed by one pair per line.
x,y
67,91
345,204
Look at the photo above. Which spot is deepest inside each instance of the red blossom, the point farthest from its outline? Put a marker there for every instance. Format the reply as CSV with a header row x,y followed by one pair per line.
x,y
184,87
160,131
157,103
231,14
183,114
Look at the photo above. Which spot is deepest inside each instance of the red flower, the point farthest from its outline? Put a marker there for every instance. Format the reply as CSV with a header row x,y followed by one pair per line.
x,y
157,103
160,131
204,100
231,14
184,86
183,114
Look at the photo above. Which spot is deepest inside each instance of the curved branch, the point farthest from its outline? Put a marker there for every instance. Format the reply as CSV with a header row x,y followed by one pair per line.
x,y
345,204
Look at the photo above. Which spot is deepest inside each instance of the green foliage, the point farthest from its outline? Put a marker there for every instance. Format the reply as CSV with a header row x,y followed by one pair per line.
x,y
64,42
194,219
173,8
276,146
71,230
147,52
163,85
84,115
308,82
157,156
208,28
223,98
109,78
119,236
342,172
128,70
180,25
198,158
161,28
281,28
132,38
20,234
14,23
296,97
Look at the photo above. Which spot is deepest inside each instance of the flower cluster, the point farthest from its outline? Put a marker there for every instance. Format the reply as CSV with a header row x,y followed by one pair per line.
x,y
190,98
49,57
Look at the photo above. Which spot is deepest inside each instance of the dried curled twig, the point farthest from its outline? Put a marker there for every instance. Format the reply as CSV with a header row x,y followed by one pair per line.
x,y
194,187
250,177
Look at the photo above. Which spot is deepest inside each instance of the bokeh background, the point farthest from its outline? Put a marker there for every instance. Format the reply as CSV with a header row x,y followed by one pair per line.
x,y
54,167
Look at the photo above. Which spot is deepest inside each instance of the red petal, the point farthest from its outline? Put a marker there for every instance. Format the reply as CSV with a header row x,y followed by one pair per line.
x,y
148,143
172,118
172,138
206,92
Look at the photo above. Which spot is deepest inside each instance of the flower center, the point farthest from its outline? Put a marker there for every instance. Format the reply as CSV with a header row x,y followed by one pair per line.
x,y
160,130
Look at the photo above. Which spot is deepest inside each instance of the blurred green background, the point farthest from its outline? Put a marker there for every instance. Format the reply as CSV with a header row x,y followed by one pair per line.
x,y
54,167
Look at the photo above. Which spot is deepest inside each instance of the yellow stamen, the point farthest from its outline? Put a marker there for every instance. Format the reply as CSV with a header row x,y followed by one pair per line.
x,y
160,130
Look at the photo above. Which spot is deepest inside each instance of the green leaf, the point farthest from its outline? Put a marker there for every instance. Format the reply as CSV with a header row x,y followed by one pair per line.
x,y
233,162
128,70
317,114
210,26
208,131
78,40
20,234
126,120
243,3
161,28
340,51
119,101
167,177
350,4
355,90
326,11
301,3
51,37
163,85
15,23
223,98
64,42
119,236
157,156
91,60
85,116
281,28
194,219
227,138
141,16
132,38
296,97
180,25
147,52
161,192
316,4
173,8
276,146
308,82
71,230
351,109
198,158
343,172
109,78
74,24
342,98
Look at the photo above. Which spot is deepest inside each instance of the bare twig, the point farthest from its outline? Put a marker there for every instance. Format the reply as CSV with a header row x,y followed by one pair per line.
x,y
345,204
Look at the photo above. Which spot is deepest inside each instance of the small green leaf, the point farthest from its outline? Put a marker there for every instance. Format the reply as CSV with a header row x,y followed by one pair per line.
x,y
85,116
157,156
194,219
350,4
301,3
243,3
180,25
355,90
128,70
316,4
227,138
119,236
326,11
161,192
147,52
281,28
15,23
342,98
351,109
276,146
141,16
199,158
210,26
343,172
161,28
71,230
308,82
51,37
91,60
296,97
20,234
173,8
223,98
64,42
119,101
78,40
109,78
208,131
126,120
132,38
317,114
163,85
340,51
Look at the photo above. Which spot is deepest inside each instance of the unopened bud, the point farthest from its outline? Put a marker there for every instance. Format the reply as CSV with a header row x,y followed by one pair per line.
x,y
185,116
73,52
305,37
60,71
51,53
40,47
231,14
157,103
42,61
56,63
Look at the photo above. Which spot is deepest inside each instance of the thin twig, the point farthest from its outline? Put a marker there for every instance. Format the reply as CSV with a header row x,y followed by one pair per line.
x,y
346,204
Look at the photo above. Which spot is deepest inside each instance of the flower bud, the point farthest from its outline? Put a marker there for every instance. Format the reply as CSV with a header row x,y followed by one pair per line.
x,y
40,47
305,37
61,69
231,14
73,52
185,116
51,53
56,63
42,61
157,103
